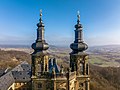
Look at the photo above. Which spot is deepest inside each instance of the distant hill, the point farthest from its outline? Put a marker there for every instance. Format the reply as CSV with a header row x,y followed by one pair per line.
x,y
15,46
13,58
103,56
102,78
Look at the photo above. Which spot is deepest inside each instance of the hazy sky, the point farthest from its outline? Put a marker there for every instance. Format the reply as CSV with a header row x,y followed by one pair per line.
x,y
100,20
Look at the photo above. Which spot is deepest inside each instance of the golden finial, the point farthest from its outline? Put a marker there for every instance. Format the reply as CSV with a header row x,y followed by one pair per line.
x,y
40,16
40,12
78,15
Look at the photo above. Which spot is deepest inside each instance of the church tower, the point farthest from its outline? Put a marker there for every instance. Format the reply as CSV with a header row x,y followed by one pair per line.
x,y
79,58
40,54
40,59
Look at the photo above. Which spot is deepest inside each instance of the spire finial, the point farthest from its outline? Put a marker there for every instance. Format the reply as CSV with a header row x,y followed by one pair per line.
x,y
40,12
78,15
40,15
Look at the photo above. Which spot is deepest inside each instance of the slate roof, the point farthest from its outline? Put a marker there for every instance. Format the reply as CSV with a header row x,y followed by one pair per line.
x,y
24,66
21,76
53,64
20,73
2,71
6,81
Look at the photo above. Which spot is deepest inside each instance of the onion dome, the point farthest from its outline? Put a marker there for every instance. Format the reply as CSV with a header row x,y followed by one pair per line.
x,y
40,43
78,45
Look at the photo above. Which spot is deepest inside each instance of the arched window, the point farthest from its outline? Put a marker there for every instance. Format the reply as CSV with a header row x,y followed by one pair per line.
x,y
46,67
87,71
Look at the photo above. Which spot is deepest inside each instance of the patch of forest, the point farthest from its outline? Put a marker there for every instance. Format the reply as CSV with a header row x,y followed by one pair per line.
x,y
13,58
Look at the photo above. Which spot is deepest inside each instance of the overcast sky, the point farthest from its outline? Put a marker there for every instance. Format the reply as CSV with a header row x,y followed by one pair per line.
x,y
100,20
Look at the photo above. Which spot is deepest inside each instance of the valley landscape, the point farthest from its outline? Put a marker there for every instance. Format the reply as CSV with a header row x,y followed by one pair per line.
x,y
104,62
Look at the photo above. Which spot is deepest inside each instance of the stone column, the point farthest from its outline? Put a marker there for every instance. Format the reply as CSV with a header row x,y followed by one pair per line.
x,y
68,82
88,85
32,85
88,69
55,85
84,68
